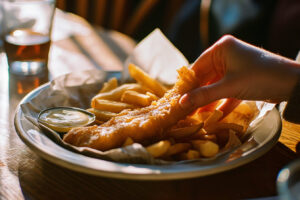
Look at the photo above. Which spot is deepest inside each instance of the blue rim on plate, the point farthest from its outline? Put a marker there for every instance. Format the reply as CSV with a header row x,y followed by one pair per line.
x,y
263,138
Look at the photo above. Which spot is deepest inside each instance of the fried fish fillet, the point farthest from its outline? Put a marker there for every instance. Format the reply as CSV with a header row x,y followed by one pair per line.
x,y
148,123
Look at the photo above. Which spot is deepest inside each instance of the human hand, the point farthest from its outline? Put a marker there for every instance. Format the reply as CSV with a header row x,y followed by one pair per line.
x,y
232,68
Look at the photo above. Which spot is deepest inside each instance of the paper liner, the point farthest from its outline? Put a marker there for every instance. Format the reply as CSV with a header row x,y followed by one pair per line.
x,y
77,89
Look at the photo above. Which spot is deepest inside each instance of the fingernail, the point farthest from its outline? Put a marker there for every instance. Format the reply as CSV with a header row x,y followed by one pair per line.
x,y
185,101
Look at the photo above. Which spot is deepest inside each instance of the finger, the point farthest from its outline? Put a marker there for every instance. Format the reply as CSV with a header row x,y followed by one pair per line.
x,y
205,95
228,106
210,66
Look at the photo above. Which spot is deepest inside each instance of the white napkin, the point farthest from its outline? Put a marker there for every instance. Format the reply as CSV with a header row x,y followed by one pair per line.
x,y
156,55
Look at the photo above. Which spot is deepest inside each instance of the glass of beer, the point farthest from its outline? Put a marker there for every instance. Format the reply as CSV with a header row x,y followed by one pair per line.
x,y
27,31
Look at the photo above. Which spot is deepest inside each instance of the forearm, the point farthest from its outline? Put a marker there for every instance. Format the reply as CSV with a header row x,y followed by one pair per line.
x,y
264,68
232,68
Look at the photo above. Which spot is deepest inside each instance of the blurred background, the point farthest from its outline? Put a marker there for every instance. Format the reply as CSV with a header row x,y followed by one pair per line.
x,y
193,25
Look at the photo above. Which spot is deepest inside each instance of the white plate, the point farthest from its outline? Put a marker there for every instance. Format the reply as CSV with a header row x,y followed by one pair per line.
x,y
263,139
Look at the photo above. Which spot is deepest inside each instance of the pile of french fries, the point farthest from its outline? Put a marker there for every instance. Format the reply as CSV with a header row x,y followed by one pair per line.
x,y
203,134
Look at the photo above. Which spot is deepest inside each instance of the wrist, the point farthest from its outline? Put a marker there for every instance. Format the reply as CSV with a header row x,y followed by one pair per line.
x,y
292,109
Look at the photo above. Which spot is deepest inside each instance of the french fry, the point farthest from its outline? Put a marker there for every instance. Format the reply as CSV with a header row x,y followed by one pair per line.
x,y
213,118
200,116
145,80
190,155
135,98
159,149
233,141
202,135
188,121
206,148
243,114
178,148
109,85
179,133
111,106
222,137
152,96
102,115
216,127
202,131
116,94
128,142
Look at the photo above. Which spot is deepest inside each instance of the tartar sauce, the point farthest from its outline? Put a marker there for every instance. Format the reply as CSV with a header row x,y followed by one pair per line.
x,y
63,119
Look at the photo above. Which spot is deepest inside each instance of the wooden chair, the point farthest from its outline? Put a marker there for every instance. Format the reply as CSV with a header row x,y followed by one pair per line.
x,y
126,16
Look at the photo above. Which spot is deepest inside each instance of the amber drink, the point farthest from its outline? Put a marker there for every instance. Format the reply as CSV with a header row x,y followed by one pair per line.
x,y
27,51
27,27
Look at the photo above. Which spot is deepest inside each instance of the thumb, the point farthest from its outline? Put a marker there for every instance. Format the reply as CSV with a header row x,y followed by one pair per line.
x,y
204,95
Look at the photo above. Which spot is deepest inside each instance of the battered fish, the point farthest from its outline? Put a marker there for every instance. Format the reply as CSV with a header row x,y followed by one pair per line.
x,y
148,123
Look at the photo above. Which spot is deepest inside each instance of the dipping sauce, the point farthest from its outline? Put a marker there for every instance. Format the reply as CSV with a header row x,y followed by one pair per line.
x,y
62,119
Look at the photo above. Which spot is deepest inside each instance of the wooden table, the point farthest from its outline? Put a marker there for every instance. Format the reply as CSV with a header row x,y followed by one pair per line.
x,y
24,175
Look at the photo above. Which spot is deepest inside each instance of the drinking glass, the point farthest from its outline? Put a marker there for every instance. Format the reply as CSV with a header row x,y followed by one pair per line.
x,y
288,181
26,34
